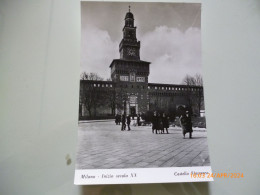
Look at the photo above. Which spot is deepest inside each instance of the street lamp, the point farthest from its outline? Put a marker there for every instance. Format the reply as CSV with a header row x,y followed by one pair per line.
x,y
124,106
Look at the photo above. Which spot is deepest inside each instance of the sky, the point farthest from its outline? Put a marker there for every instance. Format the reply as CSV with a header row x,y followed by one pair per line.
x,y
170,36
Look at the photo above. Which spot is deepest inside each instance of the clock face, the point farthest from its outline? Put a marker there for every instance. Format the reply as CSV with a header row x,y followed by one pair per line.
x,y
131,52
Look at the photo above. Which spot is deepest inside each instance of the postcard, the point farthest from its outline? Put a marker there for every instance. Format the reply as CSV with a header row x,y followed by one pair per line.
x,y
141,98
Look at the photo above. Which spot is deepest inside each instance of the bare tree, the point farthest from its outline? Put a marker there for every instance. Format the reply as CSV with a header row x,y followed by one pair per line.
x,y
193,80
198,80
110,97
196,98
87,96
90,76
90,97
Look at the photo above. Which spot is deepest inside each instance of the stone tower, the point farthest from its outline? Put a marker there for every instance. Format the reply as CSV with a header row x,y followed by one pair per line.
x,y
129,47
129,73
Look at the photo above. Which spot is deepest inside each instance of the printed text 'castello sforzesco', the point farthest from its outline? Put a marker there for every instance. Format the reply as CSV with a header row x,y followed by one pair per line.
x,y
129,90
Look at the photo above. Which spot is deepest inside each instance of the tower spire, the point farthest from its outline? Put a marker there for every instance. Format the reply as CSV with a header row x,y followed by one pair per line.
x,y
129,47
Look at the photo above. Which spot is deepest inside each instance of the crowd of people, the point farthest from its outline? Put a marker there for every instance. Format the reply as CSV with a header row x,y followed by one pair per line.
x,y
124,120
160,123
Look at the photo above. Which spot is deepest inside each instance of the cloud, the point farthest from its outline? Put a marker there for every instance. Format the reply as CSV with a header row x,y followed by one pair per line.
x,y
97,51
172,53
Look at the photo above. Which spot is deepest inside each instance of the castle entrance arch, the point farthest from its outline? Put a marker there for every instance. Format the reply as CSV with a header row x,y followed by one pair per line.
x,y
132,110
133,105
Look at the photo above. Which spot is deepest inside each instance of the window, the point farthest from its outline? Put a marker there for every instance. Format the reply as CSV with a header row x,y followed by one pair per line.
x,y
124,78
132,77
140,79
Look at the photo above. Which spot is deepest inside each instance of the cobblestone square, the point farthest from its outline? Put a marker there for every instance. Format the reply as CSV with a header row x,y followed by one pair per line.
x,y
102,145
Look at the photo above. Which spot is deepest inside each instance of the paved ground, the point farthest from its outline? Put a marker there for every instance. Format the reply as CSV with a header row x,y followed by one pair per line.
x,y
103,145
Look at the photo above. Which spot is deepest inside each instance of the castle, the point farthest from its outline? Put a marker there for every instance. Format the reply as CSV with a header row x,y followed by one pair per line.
x,y
129,90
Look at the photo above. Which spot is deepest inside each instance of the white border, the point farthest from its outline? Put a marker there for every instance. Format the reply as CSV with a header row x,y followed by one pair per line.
x,y
140,175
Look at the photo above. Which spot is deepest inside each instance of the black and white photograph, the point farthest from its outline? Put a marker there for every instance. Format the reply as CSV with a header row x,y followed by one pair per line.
x,y
141,98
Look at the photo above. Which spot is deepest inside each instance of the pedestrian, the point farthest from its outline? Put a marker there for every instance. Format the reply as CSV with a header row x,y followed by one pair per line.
x,y
160,124
116,119
154,122
119,119
128,121
123,122
138,120
165,121
186,124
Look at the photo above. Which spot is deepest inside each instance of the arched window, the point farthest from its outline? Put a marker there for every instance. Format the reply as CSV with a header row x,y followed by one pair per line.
x,y
132,77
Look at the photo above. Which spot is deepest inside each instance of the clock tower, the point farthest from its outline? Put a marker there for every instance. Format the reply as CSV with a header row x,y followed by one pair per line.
x,y
129,47
129,73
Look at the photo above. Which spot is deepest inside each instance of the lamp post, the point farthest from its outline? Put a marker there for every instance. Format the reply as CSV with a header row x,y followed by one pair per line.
x,y
124,107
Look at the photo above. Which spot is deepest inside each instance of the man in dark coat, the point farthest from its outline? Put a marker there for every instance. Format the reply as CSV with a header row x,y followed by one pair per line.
x,y
186,124
117,119
159,124
128,121
154,122
138,120
165,122
123,122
